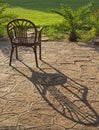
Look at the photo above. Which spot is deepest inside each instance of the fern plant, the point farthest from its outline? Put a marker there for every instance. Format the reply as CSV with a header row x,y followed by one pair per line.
x,y
96,22
75,20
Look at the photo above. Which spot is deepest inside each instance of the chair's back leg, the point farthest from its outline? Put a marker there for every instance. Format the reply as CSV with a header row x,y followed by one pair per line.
x,y
35,53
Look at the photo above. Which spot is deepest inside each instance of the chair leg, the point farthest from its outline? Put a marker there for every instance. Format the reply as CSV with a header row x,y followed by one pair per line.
x,y
35,52
40,52
12,50
16,53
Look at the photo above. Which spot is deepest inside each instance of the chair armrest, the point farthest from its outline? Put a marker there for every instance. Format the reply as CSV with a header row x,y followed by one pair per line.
x,y
39,31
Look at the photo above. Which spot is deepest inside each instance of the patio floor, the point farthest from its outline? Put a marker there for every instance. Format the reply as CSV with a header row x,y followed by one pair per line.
x,y
62,94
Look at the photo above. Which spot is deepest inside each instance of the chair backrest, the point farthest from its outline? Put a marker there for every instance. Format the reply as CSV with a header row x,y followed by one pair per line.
x,y
21,31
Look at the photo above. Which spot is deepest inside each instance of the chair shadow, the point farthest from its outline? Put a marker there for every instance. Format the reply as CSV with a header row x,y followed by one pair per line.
x,y
64,95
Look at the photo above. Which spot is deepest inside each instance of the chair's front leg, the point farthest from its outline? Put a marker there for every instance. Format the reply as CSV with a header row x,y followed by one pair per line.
x,y
12,50
40,52
16,53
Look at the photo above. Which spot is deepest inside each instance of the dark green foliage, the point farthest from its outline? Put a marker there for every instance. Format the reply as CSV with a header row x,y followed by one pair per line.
x,y
75,20
4,17
96,22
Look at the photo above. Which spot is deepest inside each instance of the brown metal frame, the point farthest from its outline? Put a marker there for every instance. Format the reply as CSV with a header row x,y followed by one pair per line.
x,y
23,32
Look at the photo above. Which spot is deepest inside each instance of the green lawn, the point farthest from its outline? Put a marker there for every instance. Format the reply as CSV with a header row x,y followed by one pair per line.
x,y
39,10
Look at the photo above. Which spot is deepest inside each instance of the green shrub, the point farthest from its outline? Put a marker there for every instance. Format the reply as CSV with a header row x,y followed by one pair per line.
x,y
75,21
5,16
56,31
96,22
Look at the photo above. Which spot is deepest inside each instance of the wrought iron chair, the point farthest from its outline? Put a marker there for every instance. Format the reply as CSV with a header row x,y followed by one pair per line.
x,y
23,32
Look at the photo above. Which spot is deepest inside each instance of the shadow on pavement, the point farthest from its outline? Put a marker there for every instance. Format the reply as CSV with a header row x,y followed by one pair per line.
x,y
64,95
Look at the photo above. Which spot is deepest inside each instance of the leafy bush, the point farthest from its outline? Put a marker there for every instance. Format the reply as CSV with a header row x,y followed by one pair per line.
x,y
75,21
4,17
96,22
56,31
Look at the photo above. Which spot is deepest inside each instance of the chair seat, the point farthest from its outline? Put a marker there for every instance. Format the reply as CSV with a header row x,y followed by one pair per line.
x,y
26,41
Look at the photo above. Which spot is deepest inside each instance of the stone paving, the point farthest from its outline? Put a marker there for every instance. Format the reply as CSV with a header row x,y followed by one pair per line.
x,y
62,94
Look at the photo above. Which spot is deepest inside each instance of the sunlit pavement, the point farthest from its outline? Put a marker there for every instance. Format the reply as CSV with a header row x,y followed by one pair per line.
x,y
61,94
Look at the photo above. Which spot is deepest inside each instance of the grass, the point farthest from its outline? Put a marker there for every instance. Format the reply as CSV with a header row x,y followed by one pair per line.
x,y
39,10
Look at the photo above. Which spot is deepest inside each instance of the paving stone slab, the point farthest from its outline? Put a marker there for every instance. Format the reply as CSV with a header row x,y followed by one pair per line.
x,y
61,94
